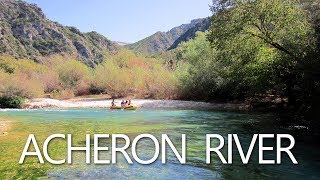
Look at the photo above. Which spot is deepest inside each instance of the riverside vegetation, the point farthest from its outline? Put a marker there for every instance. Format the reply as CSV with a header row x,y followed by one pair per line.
x,y
121,75
263,52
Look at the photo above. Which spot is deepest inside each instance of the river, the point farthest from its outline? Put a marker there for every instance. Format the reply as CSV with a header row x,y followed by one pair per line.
x,y
194,123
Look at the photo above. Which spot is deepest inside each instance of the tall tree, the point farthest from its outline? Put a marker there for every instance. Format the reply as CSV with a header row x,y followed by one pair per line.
x,y
281,25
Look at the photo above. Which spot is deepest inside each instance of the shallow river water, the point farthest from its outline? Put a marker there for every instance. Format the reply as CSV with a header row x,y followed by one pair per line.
x,y
194,123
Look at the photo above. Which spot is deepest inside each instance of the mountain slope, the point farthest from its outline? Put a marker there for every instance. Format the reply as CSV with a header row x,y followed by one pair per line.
x,y
25,32
161,41
191,33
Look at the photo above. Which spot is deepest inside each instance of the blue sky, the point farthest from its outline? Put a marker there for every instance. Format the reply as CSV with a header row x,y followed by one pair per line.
x,y
124,20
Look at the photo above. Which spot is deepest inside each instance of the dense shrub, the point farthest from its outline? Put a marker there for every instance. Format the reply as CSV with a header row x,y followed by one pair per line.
x,y
62,94
72,73
63,77
112,79
13,85
11,102
50,82
142,77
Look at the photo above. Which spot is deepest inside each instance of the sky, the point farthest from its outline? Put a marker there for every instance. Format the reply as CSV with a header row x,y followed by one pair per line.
x,y
124,20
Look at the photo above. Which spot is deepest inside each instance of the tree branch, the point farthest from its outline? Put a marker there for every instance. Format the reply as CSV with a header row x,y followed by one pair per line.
x,y
274,44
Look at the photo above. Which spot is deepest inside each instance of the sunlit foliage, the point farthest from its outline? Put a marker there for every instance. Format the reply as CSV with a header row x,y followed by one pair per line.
x,y
125,74
63,77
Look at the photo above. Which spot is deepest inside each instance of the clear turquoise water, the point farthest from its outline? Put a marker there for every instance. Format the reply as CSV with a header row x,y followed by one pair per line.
x,y
195,124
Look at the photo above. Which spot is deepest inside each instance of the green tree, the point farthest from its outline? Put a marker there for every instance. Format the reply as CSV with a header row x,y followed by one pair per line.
x,y
197,71
72,73
267,46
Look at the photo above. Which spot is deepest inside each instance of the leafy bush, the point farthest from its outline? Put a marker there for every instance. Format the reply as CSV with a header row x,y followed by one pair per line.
x,y
17,85
126,74
122,74
6,64
50,81
75,76
162,83
112,79
71,73
63,94
11,102
13,85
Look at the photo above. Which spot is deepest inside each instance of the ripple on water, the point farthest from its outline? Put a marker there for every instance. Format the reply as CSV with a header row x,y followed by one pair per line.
x,y
156,171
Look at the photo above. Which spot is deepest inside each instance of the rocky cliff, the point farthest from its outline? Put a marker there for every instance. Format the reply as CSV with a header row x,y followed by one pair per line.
x,y
25,32
202,26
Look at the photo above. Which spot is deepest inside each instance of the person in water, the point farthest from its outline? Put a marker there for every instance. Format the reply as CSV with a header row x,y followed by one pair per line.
x,y
129,104
113,103
123,104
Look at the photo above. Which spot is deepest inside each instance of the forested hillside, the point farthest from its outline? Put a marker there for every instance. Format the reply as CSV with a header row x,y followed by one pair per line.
x,y
161,41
